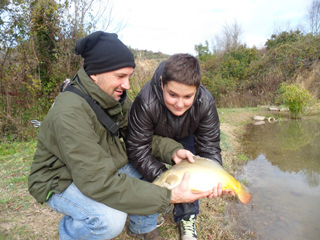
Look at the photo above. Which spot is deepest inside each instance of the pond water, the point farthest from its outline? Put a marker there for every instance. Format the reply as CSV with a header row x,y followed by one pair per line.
x,y
283,176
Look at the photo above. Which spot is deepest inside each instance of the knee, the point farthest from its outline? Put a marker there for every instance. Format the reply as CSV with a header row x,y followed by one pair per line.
x,y
110,226
116,226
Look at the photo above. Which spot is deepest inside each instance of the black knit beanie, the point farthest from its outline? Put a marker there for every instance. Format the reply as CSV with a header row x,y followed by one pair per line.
x,y
103,52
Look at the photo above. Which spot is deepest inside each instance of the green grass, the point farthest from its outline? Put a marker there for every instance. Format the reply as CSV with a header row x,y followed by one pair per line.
x,y
242,157
2,236
225,142
15,160
244,181
19,148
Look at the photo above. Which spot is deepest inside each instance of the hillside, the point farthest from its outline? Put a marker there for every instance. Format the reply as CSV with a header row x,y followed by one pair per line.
x,y
145,54
239,77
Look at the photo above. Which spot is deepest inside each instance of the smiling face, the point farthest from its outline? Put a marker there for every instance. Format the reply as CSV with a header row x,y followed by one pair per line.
x,y
114,83
178,97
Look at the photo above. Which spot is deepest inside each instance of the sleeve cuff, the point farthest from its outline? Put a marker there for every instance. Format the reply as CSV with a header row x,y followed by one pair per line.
x,y
167,202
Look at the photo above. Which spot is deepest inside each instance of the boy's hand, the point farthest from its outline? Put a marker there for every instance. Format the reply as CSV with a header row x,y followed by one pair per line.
x,y
217,192
182,154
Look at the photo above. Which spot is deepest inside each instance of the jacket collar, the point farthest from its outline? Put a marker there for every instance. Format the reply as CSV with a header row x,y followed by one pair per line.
x,y
156,82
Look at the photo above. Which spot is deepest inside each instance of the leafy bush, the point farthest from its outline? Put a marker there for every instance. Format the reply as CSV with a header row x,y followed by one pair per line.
x,y
217,85
226,73
284,38
235,63
295,98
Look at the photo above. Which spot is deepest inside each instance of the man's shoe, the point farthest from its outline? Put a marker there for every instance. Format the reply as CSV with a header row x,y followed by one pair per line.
x,y
153,235
188,228
160,219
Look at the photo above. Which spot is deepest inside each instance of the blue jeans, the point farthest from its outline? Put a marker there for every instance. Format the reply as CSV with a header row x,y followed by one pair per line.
x,y
181,210
86,218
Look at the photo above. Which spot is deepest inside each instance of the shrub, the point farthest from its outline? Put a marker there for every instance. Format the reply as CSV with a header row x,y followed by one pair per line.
x,y
235,63
295,98
284,38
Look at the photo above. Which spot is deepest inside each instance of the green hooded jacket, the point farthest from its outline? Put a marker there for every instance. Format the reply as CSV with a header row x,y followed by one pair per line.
x,y
73,146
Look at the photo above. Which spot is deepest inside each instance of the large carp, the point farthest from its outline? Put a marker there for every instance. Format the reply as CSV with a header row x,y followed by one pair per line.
x,y
205,174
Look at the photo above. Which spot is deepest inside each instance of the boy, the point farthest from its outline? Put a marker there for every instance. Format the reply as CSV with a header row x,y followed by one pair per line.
x,y
174,104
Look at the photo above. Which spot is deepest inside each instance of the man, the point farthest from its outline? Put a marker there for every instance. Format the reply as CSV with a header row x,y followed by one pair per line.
x,y
174,104
80,168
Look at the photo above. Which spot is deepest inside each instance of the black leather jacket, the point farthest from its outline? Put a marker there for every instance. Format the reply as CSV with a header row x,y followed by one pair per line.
x,y
149,116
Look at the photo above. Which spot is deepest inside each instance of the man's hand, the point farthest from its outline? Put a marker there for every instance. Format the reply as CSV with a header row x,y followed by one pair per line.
x,y
217,192
182,154
182,194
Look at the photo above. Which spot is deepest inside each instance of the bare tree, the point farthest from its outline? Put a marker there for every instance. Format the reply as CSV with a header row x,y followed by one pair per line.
x,y
313,17
91,15
229,38
279,27
106,18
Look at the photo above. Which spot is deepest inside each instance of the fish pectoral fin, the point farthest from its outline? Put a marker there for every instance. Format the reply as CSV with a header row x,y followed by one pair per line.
x,y
172,180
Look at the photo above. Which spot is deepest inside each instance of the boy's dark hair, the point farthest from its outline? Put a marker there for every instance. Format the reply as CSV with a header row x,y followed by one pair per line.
x,y
182,68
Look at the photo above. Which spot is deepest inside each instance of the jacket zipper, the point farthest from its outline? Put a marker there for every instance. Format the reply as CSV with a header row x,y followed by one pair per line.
x,y
177,127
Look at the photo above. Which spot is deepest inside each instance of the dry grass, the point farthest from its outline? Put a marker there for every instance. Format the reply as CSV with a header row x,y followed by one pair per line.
x,y
21,217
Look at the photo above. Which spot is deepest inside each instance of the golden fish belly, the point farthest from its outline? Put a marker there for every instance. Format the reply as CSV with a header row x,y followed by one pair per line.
x,y
205,174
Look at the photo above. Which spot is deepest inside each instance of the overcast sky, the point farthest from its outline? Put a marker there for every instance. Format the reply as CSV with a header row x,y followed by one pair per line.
x,y
176,26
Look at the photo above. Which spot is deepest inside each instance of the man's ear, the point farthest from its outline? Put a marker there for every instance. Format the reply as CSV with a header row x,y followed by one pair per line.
x,y
94,78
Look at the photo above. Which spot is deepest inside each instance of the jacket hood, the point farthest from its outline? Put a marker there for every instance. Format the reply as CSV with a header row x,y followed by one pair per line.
x,y
156,82
107,102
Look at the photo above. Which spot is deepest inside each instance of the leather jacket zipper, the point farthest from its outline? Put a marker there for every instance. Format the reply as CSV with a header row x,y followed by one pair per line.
x,y
177,127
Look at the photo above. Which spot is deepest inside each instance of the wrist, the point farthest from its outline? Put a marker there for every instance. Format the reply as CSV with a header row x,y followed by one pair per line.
x,y
173,197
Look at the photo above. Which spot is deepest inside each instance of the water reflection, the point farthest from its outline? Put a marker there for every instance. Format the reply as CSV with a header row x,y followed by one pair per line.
x,y
293,146
283,177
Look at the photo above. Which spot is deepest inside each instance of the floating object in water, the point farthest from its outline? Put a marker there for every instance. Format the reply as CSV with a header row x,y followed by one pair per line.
x,y
271,119
285,109
205,174
258,118
274,109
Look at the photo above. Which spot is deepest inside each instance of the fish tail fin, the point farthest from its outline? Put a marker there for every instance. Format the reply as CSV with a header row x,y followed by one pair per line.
x,y
243,195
